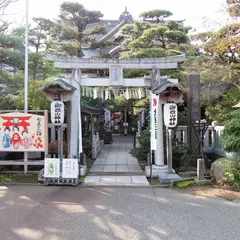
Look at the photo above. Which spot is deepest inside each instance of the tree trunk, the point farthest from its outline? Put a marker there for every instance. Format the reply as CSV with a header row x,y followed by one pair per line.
x,y
163,43
79,50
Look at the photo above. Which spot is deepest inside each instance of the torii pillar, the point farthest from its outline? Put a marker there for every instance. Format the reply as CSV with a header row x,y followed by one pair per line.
x,y
75,122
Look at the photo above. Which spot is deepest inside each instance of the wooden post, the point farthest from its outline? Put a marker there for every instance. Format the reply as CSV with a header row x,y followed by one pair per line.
x,y
25,162
125,121
46,131
169,150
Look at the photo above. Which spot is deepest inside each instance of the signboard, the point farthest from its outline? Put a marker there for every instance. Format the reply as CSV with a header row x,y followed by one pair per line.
x,y
116,75
21,132
52,168
170,115
57,113
154,103
70,168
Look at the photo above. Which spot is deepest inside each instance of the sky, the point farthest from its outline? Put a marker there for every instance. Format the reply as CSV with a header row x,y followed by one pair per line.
x,y
200,14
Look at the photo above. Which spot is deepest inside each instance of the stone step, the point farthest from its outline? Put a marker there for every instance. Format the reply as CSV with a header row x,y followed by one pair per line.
x,y
116,173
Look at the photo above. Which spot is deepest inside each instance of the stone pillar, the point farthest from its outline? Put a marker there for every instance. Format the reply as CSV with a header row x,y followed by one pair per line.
x,y
200,169
75,136
193,108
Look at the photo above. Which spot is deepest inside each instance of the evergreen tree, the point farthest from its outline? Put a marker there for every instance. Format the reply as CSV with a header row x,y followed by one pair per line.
x,y
70,32
39,31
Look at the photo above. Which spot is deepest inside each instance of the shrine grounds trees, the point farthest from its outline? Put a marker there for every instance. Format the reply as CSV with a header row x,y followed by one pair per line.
x,y
154,37
220,64
217,58
10,56
68,34
231,143
39,30
231,133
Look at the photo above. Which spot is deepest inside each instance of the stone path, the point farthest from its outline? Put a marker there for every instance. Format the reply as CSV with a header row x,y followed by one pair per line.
x,y
115,166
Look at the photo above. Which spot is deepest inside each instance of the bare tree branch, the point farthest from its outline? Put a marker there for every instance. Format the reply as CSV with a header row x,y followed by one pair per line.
x,y
3,23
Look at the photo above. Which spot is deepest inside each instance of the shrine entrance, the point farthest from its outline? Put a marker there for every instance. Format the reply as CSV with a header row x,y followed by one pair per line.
x,y
114,85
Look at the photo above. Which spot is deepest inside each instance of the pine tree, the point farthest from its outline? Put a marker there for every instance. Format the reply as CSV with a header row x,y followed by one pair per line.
x,y
69,33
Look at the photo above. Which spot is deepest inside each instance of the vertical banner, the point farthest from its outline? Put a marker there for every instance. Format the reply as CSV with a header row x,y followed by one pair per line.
x,y
107,117
154,103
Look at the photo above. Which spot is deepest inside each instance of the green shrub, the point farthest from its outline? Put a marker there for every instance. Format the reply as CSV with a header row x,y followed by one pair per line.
x,y
179,149
144,149
232,173
231,133
87,144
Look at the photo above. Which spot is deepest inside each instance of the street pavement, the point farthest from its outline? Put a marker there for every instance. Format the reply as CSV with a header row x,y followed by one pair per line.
x,y
72,213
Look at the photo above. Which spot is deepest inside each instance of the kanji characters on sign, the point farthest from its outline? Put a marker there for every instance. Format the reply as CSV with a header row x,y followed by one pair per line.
x,y
170,115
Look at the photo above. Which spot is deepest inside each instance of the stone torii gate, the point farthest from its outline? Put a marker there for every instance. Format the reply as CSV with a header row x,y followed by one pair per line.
x,y
115,67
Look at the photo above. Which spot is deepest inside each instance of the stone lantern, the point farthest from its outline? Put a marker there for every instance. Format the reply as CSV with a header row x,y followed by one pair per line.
x,y
60,90
169,91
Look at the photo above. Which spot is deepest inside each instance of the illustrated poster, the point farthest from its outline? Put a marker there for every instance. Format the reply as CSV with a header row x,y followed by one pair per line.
x,y
21,132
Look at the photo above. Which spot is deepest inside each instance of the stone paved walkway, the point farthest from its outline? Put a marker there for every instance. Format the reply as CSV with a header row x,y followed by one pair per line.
x,y
115,166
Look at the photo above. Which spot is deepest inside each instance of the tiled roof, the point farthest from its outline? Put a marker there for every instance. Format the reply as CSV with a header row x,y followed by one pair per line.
x,y
109,24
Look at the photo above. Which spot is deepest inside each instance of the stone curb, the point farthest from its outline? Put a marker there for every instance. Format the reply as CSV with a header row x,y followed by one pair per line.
x,y
24,184
86,186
